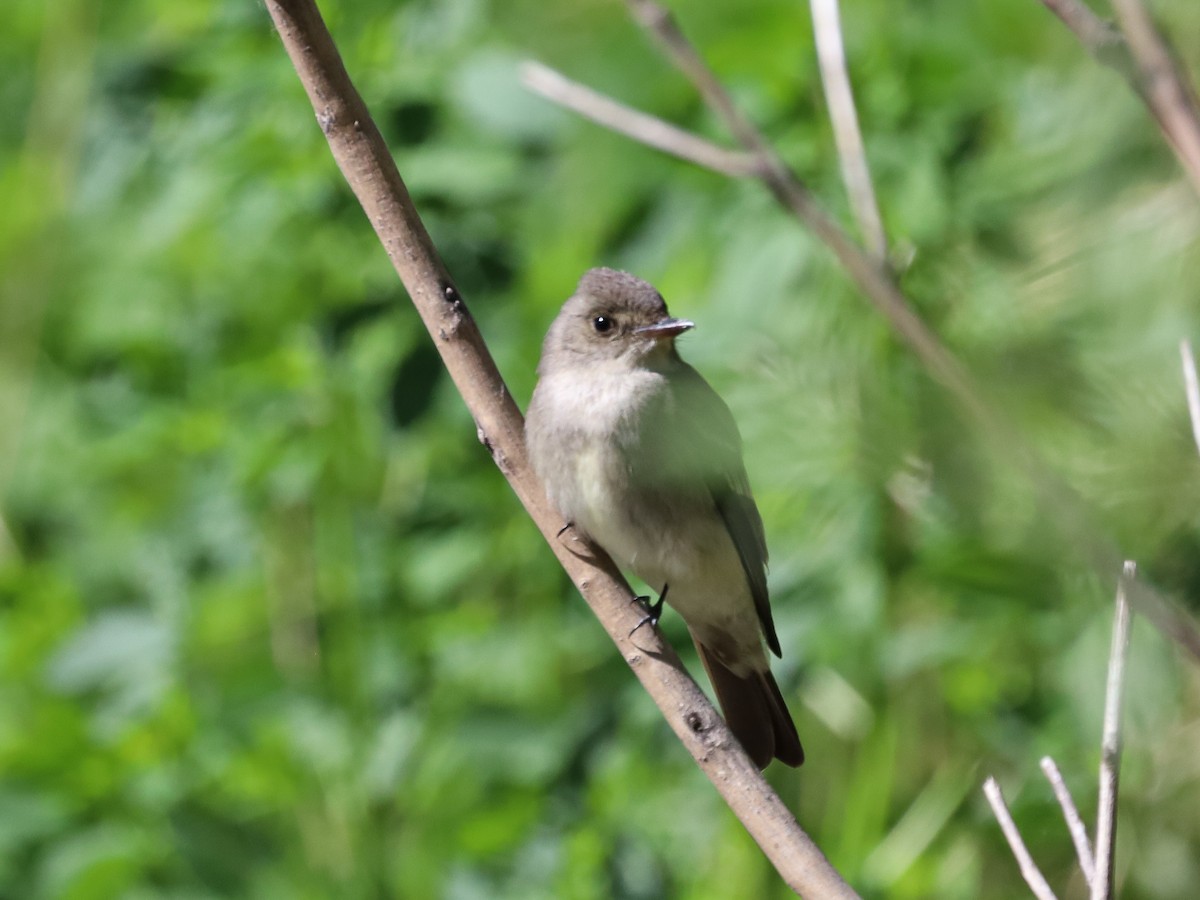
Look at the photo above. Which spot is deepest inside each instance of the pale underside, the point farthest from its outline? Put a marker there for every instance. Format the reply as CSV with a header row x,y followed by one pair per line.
x,y
628,476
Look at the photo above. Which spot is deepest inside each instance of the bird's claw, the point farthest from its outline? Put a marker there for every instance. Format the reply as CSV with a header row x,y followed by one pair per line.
x,y
653,610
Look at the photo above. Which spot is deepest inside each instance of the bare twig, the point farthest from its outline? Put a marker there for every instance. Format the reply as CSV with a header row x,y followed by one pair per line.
x,y
873,280
1191,386
1110,742
632,123
371,172
659,22
1083,848
831,55
1093,32
1162,85
1029,870
1145,61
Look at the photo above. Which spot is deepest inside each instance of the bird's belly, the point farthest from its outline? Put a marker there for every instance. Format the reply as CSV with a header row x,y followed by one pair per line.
x,y
601,505
685,546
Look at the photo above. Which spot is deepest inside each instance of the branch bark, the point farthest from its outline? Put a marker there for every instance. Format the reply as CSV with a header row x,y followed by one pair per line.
x,y
371,172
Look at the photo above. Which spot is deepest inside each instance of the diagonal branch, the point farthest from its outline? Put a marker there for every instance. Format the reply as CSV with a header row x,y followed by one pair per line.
x,y
1029,869
881,291
371,173
1162,85
1083,849
641,127
1094,33
794,195
1141,55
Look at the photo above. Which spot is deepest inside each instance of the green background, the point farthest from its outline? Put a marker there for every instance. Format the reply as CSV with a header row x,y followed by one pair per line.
x,y
272,624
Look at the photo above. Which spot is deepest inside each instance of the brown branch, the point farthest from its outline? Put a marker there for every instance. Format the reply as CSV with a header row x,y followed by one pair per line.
x,y
371,173
1110,742
1029,870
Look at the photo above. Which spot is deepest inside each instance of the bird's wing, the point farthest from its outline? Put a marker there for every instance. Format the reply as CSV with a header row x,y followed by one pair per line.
x,y
696,441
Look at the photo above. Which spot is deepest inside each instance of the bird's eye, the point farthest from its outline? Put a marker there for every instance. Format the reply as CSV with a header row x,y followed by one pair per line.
x,y
602,324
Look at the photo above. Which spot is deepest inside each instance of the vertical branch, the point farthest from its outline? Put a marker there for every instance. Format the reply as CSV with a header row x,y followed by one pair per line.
x,y
1191,387
1110,742
831,56
1029,870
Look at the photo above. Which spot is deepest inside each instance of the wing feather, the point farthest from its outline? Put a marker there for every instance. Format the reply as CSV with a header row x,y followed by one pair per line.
x,y
693,444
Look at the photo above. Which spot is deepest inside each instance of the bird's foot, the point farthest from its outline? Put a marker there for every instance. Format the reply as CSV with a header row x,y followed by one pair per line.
x,y
653,610
570,539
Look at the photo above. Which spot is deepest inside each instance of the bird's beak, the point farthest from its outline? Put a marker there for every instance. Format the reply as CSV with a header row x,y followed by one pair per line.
x,y
666,328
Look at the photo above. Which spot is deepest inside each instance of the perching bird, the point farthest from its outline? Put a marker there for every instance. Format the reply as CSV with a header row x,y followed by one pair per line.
x,y
641,456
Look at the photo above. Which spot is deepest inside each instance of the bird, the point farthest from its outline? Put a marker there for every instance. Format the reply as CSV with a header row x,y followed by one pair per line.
x,y
639,453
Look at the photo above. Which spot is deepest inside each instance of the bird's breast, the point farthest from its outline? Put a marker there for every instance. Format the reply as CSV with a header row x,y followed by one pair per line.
x,y
584,447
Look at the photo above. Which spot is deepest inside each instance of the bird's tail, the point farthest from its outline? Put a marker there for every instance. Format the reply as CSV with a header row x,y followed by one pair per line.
x,y
755,712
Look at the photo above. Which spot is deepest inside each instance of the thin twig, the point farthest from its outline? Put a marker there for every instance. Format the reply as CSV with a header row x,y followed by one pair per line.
x,y
1083,847
1163,86
1093,32
839,97
659,22
1144,59
1191,387
1110,742
795,197
1029,871
371,172
646,129
873,280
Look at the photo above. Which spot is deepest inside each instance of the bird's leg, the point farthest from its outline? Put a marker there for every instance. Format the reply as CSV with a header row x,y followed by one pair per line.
x,y
653,610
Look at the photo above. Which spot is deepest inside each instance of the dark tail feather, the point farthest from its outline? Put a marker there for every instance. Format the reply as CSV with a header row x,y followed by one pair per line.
x,y
755,712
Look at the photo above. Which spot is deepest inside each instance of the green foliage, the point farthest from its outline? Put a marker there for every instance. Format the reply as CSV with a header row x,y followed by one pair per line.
x,y
272,625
